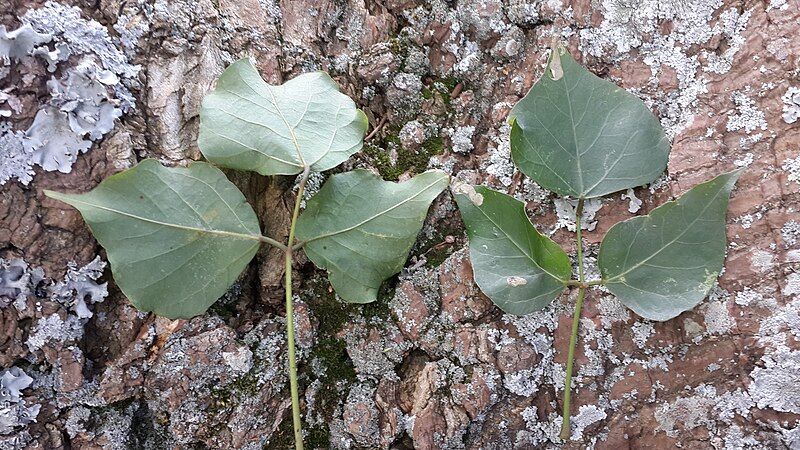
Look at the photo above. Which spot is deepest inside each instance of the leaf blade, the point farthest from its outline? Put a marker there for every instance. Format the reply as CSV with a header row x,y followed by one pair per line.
x,y
555,142
653,263
518,268
363,239
176,238
248,124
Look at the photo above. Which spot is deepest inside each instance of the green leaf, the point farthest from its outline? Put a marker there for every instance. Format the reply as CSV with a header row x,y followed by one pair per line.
x,y
248,124
176,238
518,268
583,137
664,263
361,228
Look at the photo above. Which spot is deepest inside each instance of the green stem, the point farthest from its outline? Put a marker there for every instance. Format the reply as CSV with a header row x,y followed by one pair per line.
x,y
272,242
298,427
576,321
586,284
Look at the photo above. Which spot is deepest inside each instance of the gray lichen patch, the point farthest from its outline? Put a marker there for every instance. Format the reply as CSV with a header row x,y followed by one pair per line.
x,y
15,282
566,210
84,103
15,156
777,384
14,410
747,116
791,105
792,167
79,289
20,43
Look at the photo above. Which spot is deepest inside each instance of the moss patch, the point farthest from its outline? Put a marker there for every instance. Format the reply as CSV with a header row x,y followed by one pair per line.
x,y
413,161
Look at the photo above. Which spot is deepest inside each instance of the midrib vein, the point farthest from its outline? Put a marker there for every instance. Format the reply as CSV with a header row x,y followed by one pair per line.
x,y
167,224
680,235
375,216
527,255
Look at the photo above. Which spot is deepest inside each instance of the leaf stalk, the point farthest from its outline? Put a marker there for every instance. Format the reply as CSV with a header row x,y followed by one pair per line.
x,y
296,419
586,284
576,321
272,242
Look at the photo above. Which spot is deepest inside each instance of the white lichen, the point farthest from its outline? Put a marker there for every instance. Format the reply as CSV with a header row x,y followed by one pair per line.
x,y
84,103
587,415
792,166
461,139
79,288
15,156
14,411
717,318
777,384
635,203
566,210
790,232
747,116
791,105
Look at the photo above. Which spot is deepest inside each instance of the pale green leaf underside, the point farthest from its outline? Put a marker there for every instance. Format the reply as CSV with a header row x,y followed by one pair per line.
x,y
176,238
518,268
361,228
584,137
664,263
248,124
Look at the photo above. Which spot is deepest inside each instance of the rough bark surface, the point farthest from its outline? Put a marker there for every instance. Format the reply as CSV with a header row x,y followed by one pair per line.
x,y
432,364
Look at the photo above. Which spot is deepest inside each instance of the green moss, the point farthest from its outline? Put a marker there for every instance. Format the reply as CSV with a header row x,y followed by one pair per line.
x,y
444,87
435,250
379,309
427,93
380,160
283,437
450,83
399,47
438,255
331,352
413,161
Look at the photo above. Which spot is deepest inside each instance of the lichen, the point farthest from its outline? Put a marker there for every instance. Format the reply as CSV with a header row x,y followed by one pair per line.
x,y
587,415
777,384
566,210
792,166
79,288
790,232
791,105
14,411
747,116
628,27
15,282
15,156
84,103
717,318
634,204
19,43
461,139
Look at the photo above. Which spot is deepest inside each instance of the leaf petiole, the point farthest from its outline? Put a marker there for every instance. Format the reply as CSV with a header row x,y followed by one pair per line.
x,y
576,321
586,284
298,427
272,242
